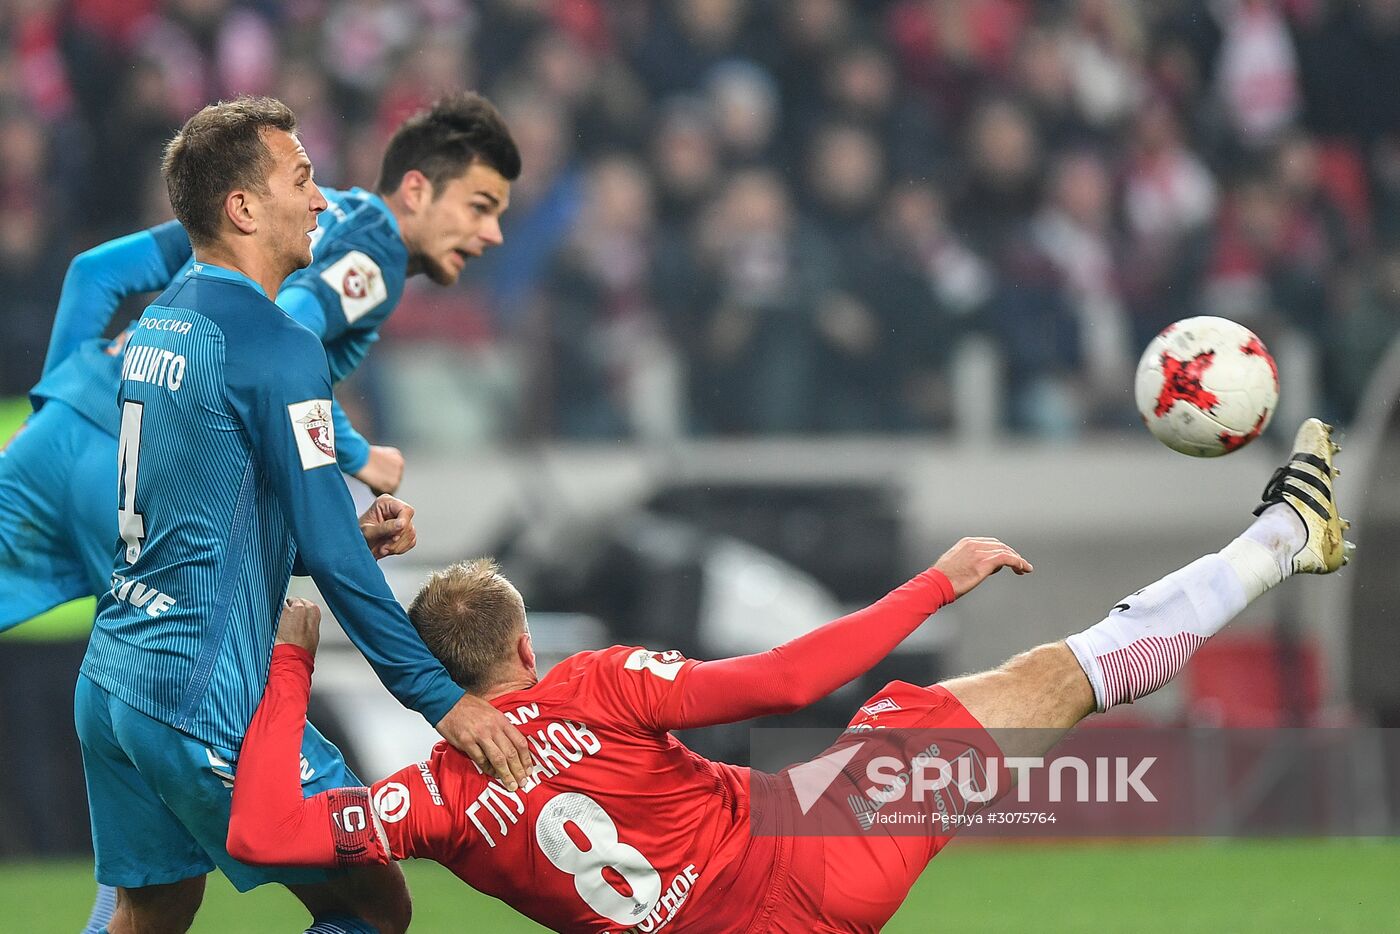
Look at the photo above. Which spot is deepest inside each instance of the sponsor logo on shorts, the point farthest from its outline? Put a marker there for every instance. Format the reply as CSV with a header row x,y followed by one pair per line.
x,y
220,767
882,705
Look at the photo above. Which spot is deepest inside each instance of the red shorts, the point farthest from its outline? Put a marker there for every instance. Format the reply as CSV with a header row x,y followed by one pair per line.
x,y
857,880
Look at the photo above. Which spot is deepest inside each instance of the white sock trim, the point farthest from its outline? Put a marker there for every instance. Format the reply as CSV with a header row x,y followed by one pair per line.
x,y
1084,654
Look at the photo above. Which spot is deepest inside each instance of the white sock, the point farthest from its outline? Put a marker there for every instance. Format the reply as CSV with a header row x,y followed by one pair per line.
x,y
1147,638
1263,555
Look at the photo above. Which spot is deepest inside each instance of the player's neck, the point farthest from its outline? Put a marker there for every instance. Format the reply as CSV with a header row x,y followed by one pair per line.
x,y
247,261
526,680
394,202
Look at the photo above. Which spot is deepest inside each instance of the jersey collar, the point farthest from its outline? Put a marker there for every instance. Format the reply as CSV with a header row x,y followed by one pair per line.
x,y
210,271
383,207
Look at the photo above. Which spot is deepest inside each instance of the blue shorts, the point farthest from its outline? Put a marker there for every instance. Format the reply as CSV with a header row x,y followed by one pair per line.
x,y
160,798
58,513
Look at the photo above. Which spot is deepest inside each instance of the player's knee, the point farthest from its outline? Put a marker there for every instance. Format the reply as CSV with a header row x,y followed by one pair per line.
x,y
159,909
1031,659
393,915
383,899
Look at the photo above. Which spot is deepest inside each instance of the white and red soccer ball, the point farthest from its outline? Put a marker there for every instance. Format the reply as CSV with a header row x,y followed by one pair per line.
x,y
1206,386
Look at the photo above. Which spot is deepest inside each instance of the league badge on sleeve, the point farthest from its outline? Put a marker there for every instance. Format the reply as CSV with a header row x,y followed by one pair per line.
x,y
314,431
662,664
358,281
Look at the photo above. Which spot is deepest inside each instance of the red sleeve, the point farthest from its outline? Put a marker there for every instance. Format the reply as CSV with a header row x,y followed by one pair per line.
x,y
413,815
809,667
272,824
638,687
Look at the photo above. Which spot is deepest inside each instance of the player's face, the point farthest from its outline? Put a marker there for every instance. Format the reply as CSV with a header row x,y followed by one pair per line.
x,y
294,203
462,221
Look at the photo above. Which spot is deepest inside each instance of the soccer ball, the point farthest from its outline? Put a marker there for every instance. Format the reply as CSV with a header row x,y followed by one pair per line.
x,y
1206,386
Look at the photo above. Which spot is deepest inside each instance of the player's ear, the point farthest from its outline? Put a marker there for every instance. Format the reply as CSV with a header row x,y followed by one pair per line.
x,y
525,651
417,190
239,208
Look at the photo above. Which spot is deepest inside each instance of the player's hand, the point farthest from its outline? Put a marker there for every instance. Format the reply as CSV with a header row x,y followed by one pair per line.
x,y
489,739
973,560
383,472
387,526
300,624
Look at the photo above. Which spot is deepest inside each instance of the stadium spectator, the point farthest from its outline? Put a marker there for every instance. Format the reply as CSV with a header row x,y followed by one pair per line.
x,y
1190,109
606,364
1003,182
765,272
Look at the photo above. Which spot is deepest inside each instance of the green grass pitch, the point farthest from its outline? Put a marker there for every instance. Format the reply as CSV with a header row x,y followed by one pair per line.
x,y
1223,887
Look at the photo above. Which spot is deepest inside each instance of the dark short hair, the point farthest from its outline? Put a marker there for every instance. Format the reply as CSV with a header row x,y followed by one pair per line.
x,y
443,141
218,150
469,616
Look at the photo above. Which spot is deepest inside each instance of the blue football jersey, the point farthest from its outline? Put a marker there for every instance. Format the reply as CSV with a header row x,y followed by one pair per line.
x,y
356,277
225,434
81,367
355,280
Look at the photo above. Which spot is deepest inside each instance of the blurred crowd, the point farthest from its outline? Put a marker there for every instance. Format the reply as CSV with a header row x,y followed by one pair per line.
x,y
776,217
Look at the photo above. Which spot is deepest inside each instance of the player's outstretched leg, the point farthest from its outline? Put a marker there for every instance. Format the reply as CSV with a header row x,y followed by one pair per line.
x,y
1149,636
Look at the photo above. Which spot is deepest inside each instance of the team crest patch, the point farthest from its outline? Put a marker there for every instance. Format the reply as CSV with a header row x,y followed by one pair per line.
x,y
664,665
883,705
314,432
358,281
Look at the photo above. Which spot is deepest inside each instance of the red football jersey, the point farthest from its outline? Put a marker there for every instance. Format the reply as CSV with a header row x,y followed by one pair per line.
x,y
619,826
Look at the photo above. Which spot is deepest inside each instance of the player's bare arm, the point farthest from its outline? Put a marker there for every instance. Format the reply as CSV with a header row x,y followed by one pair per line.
x,y
383,472
973,560
387,526
488,738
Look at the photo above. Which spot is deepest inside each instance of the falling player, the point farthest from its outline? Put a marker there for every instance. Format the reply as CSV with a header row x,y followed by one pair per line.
x,y
621,827
223,488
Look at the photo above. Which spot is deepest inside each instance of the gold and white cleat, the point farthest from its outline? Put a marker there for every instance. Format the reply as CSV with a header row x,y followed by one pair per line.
x,y
1305,484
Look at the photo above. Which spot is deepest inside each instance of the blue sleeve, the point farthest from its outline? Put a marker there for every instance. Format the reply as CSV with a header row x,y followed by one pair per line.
x,y
318,309
100,278
281,391
351,448
304,306
346,353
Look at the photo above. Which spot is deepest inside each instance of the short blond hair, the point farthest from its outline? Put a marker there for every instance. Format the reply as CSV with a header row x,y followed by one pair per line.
x,y
469,616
